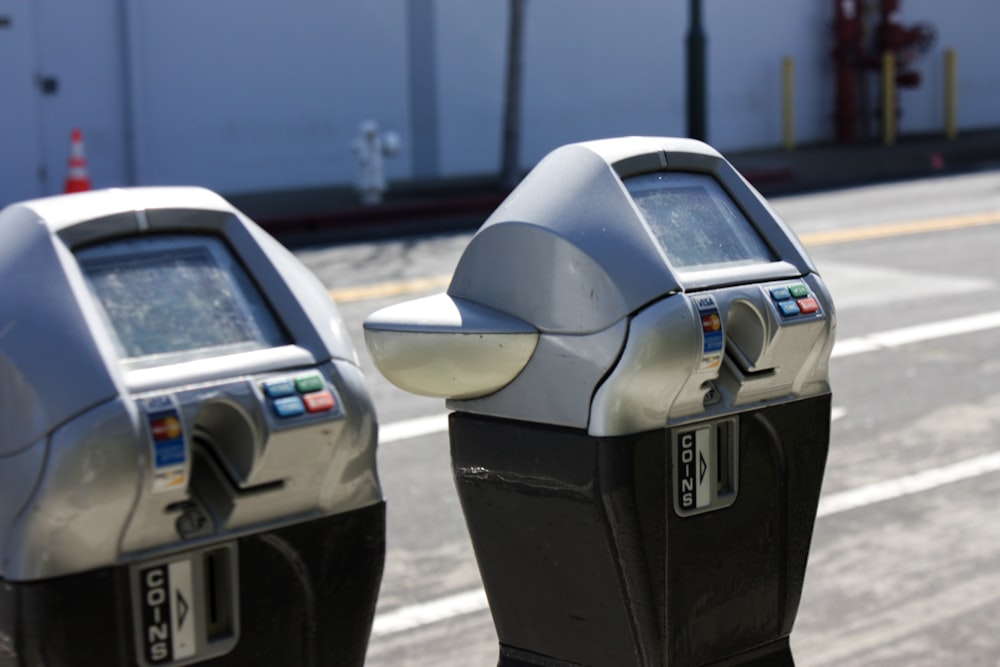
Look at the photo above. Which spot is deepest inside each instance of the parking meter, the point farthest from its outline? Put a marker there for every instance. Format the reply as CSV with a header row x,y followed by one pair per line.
x,y
187,464
636,350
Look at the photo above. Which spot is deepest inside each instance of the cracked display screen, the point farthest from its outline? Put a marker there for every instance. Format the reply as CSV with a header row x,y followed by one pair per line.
x,y
696,222
170,299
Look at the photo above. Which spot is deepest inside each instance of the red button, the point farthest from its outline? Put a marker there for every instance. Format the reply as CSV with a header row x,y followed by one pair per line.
x,y
319,401
808,305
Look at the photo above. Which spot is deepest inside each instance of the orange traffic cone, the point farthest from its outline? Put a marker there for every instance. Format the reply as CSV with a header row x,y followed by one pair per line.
x,y
77,180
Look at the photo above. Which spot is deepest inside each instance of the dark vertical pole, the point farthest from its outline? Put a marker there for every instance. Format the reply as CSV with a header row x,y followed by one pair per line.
x,y
510,156
696,75
126,26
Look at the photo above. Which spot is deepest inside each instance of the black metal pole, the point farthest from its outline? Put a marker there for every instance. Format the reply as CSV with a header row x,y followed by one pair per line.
x,y
511,140
696,75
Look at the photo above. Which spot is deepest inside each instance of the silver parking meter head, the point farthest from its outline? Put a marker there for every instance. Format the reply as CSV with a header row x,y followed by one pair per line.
x,y
636,350
651,283
170,376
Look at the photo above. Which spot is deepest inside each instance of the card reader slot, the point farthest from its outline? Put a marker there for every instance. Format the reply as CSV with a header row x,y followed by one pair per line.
x,y
747,339
203,451
228,431
738,362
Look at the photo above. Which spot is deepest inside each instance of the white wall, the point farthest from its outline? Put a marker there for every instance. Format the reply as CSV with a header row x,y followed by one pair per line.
x,y
969,27
78,47
471,56
79,44
256,95
597,69
747,42
20,151
243,95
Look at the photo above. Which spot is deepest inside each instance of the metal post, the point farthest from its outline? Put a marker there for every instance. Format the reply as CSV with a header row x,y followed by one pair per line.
x,y
510,171
788,102
696,75
951,94
134,137
888,98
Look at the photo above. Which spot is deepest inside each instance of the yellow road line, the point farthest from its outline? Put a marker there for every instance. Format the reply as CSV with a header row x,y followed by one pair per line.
x,y
900,229
395,288
810,239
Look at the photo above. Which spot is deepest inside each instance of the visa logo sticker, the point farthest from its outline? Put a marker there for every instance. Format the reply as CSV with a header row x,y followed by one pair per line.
x,y
713,339
167,443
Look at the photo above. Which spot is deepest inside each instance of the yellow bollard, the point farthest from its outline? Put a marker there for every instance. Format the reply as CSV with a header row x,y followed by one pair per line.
x,y
888,98
788,103
951,94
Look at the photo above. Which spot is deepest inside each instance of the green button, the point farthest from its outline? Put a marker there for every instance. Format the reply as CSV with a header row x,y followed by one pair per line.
x,y
798,291
309,383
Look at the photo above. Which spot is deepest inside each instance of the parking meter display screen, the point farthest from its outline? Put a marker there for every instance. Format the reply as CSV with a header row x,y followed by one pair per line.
x,y
170,299
696,222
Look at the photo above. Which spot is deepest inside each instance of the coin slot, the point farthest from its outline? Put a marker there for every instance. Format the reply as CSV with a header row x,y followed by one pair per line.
x,y
725,458
705,466
219,593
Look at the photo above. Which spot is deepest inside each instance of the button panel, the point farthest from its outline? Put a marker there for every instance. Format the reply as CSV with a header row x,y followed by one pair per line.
x,y
794,300
304,394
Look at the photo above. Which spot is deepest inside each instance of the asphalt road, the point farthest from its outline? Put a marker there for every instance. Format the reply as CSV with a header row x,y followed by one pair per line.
x,y
905,563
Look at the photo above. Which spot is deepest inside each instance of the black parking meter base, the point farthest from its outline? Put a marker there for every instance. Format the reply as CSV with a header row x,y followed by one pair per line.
x,y
777,654
305,600
586,562
514,657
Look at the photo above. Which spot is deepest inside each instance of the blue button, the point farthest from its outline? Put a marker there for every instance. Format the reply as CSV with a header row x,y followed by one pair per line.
x,y
289,406
780,293
788,308
279,388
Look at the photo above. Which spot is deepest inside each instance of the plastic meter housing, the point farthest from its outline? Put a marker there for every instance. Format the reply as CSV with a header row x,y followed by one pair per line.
x,y
635,331
181,412
607,250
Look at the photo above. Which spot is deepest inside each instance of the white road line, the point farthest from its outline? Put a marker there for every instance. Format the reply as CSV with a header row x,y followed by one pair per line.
x,y
418,615
415,616
891,489
916,334
413,428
